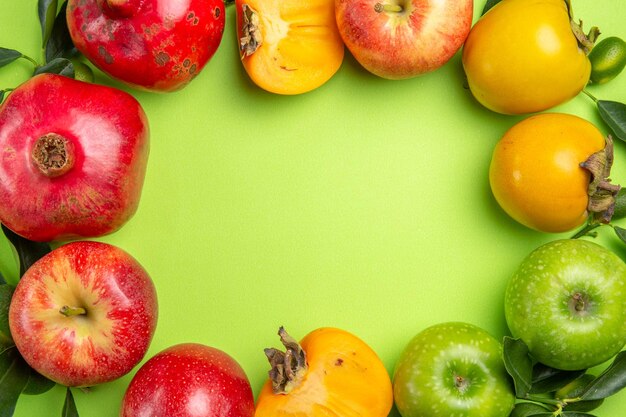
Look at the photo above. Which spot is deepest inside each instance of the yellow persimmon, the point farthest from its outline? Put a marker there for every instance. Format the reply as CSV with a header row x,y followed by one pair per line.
x,y
329,373
289,47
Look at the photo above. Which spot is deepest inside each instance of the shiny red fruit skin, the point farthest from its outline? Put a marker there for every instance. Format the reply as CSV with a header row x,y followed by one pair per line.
x,y
156,45
100,346
109,134
189,380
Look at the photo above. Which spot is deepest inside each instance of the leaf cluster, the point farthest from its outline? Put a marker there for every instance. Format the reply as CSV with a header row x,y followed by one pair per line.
x,y
537,385
16,376
58,50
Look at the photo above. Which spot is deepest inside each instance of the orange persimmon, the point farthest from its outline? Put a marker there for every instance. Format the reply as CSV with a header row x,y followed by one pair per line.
x,y
289,47
329,373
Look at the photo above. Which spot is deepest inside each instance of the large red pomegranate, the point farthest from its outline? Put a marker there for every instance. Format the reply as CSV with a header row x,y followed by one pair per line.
x,y
73,158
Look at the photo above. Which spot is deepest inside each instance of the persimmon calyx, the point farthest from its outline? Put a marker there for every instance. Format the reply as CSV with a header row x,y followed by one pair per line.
x,y
289,367
251,35
601,192
585,40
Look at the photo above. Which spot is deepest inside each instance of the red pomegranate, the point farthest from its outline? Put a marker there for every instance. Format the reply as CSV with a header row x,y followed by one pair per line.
x,y
157,45
73,158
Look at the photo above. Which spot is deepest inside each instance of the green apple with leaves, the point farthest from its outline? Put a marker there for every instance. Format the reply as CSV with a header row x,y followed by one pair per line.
x,y
567,302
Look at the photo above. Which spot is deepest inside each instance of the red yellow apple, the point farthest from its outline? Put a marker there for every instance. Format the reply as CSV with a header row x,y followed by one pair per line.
x,y
83,314
399,39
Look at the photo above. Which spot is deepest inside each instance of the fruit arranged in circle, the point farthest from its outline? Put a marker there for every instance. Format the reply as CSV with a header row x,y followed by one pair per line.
x,y
523,57
452,369
189,380
84,314
157,45
330,372
567,302
399,39
288,47
537,178
73,158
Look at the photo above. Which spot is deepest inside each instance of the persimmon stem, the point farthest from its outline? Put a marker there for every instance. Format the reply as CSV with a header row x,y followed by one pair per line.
x,y
394,8
31,60
591,96
586,230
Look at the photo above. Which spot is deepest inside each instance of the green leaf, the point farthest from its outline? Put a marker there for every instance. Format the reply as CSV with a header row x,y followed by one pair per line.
x,y
12,380
60,43
47,10
608,382
528,409
489,5
2,280
61,66
621,233
69,408
28,252
575,414
614,114
8,55
37,383
546,379
518,364
584,405
6,292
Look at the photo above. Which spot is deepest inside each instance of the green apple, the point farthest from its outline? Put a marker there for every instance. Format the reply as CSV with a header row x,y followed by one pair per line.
x,y
453,369
567,302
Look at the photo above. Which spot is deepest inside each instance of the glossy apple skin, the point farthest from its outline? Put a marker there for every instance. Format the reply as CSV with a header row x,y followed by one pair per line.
x,y
106,342
398,45
156,45
567,302
189,380
452,369
108,136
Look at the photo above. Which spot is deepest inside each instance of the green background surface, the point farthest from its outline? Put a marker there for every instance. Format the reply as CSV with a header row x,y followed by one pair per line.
x,y
363,205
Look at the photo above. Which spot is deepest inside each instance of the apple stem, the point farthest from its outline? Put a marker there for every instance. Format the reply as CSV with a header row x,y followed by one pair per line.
x,y
579,302
68,311
460,383
394,8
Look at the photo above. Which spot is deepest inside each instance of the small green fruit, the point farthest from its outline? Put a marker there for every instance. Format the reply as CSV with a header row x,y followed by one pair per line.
x,y
608,59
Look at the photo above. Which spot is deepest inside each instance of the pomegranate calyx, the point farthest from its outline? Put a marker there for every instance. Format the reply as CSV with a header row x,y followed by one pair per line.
x,y
53,155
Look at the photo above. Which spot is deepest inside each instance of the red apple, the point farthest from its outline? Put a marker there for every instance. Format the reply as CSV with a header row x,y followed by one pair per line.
x,y
83,314
73,158
158,45
398,39
189,380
